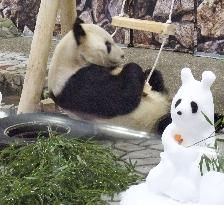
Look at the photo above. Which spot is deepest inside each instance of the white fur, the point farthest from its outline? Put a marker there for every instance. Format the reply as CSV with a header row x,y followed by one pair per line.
x,y
68,58
144,117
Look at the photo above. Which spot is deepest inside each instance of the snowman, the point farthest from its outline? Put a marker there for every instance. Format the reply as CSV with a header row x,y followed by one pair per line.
x,y
177,180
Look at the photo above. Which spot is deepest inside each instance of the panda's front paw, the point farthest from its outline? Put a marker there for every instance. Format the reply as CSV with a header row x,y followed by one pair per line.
x,y
156,80
147,89
134,71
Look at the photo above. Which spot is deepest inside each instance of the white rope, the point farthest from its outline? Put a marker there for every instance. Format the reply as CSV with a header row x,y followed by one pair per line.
x,y
169,21
157,59
121,14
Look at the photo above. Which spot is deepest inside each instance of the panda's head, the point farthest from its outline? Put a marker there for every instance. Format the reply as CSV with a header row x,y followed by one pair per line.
x,y
95,45
193,99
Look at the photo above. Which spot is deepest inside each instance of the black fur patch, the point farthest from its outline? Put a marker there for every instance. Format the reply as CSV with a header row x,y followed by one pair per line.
x,y
156,80
177,103
108,45
78,30
162,123
93,90
194,107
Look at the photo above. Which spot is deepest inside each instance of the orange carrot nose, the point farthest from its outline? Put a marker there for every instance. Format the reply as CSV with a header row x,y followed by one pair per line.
x,y
179,138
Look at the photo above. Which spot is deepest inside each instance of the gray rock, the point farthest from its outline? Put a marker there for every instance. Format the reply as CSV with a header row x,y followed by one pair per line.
x,y
86,16
8,29
136,142
151,142
128,147
163,7
114,7
189,17
119,153
142,154
142,37
144,170
99,9
211,18
185,34
216,46
145,161
157,147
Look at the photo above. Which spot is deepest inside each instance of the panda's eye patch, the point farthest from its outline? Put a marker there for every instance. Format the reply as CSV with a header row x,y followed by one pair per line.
x,y
108,45
177,103
194,107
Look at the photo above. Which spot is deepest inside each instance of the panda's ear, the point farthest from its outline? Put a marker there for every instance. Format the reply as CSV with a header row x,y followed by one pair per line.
x,y
186,75
78,30
208,78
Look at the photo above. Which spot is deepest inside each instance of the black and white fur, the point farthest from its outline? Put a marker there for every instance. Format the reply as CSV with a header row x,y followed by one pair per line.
x,y
84,80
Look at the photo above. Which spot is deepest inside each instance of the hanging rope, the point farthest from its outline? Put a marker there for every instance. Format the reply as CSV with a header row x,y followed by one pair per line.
x,y
169,21
121,14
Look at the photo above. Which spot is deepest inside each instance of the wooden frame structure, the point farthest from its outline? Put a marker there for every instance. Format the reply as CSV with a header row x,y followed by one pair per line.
x,y
144,25
36,68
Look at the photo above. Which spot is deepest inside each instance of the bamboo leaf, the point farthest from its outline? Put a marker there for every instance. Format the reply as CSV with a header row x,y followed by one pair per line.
x,y
207,119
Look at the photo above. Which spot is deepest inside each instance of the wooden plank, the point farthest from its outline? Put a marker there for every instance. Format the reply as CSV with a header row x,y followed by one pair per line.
x,y
144,25
37,63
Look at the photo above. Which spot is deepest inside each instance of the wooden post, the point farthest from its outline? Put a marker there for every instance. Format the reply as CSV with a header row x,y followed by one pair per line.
x,y
67,15
37,63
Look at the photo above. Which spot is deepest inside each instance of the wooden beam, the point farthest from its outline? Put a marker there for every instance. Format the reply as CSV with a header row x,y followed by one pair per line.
x,y
144,25
67,15
37,63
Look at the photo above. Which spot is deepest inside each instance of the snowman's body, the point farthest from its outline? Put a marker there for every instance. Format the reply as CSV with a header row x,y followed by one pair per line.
x,y
177,178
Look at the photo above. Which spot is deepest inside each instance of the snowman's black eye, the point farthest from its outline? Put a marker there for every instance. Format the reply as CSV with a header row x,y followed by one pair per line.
x,y
194,107
177,103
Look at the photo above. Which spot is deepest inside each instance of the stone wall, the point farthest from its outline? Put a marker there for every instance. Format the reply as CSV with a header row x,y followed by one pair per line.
x,y
207,30
211,25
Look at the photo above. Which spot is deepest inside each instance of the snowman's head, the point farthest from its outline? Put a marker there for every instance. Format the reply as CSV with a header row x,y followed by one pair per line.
x,y
193,99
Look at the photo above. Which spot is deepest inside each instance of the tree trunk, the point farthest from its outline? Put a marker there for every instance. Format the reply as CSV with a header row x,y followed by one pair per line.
x,y
67,15
37,63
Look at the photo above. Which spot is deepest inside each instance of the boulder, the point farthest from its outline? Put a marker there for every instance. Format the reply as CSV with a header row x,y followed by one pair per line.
x,y
185,34
99,9
114,7
189,17
216,46
8,29
162,7
22,13
80,4
143,8
211,18
142,38
86,16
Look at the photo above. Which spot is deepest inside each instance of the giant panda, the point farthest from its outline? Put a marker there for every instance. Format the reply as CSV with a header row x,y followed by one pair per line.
x,y
84,79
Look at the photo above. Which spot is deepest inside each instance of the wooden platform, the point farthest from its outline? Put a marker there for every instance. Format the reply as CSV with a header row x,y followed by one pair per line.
x,y
144,25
